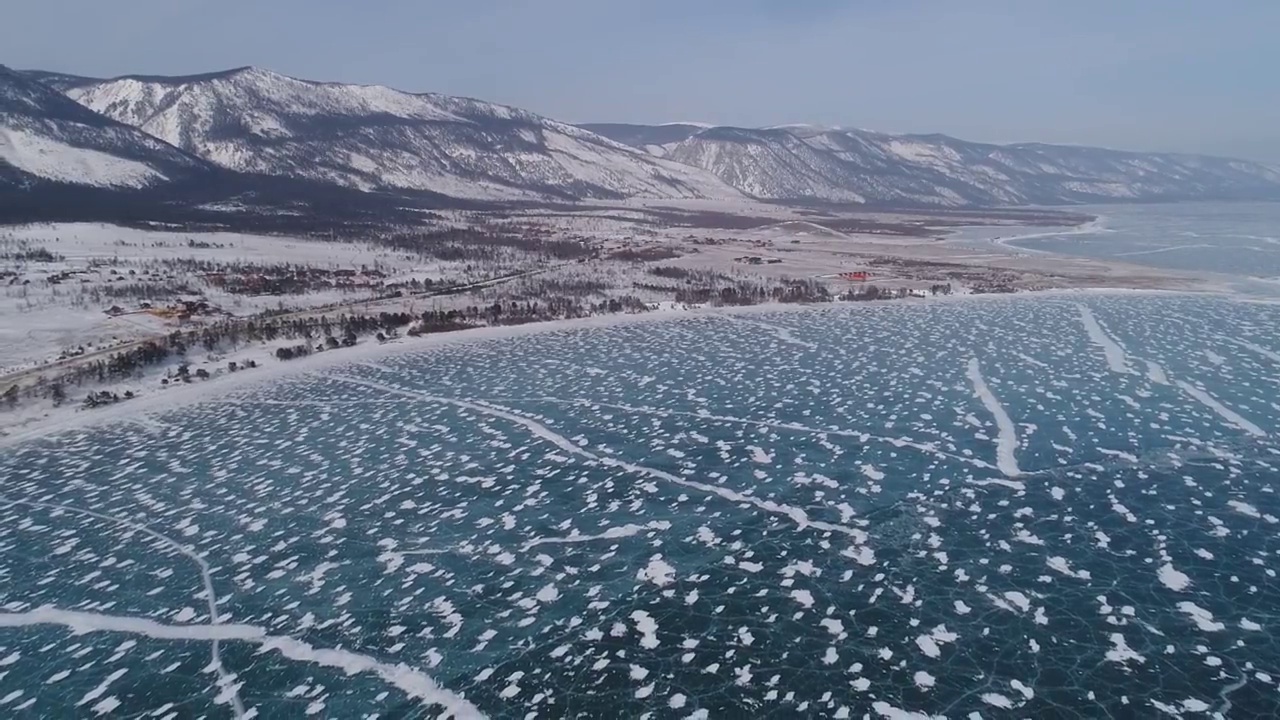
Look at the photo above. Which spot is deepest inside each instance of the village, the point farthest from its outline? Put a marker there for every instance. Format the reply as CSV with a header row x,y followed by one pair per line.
x,y
98,314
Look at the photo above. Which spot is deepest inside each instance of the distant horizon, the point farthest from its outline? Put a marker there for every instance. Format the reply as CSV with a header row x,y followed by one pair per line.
x,y
693,123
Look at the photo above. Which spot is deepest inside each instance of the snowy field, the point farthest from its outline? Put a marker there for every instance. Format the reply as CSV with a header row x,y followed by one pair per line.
x,y
50,307
1048,506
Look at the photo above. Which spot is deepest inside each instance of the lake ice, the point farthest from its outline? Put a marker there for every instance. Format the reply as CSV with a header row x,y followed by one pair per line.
x,y
1040,506
1230,239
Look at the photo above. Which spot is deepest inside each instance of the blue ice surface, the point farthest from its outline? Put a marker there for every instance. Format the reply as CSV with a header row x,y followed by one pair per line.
x,y
1231,239
782,514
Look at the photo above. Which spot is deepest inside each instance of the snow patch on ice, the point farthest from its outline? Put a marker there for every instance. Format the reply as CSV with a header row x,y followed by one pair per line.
x,y
1173,578
658,571
1201,617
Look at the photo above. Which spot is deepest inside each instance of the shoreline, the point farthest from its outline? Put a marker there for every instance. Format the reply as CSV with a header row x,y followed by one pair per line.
x,y
71,417
1095,225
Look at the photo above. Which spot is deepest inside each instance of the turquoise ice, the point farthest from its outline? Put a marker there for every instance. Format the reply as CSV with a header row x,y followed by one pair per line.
x,y
1060,505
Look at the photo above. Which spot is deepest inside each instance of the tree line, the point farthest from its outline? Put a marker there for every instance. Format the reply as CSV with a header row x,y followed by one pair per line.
x,y
314,334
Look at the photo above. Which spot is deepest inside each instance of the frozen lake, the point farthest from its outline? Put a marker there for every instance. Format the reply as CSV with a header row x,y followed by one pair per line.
x,y
1238,239
1048,506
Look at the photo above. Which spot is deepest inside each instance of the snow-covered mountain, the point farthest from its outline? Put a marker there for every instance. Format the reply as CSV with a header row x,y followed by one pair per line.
x,y
377,138
807,163
48,139
61,82
653,139
317,135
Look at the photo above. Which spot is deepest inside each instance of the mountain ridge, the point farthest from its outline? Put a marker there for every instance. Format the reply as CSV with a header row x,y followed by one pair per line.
x,y
372,137
47,138
60,160
805,162
686,129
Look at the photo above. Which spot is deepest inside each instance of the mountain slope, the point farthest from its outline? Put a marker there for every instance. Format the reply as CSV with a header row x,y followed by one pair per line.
x,y
844,165
46,138
61,82
377,138
651,138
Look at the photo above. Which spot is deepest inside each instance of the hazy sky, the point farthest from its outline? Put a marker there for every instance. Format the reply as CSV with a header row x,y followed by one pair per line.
x,y
1184,75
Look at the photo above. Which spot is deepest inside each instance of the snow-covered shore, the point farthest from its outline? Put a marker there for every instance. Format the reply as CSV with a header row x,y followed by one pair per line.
x,y
34,423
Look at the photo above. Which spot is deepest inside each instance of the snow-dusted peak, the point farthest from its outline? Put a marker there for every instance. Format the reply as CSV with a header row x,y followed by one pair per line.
x,y
842,164
175,109
47,138
375,137
805,128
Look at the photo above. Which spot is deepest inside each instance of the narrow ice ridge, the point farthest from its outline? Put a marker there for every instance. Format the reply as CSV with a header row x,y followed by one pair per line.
x,y
1231,416
1011,484
784,334
898,442
795,514
928,448
81,623
1170,248
408,680
1270,355
1224,707
620,531
226,680
1111,349
1032,360
1007,437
